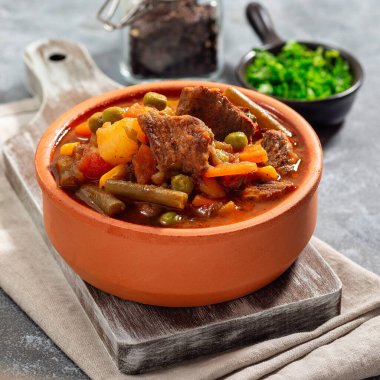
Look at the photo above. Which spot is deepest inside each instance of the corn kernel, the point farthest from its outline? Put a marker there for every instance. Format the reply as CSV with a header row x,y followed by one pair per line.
x,y
68,149
118,172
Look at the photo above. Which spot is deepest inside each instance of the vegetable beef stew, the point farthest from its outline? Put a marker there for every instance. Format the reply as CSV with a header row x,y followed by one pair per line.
x,y
204,159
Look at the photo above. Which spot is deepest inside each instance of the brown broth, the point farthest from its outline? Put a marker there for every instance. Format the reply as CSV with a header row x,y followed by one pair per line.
x,y
191,217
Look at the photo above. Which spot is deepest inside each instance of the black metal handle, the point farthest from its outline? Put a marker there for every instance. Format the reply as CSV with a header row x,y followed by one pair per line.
x,y
261,22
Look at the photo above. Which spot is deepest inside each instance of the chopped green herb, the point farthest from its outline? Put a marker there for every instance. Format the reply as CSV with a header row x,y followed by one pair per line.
x,y
299,73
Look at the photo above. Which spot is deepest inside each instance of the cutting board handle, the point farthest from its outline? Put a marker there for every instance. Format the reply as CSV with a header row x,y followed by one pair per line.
x,y
60,74
63,70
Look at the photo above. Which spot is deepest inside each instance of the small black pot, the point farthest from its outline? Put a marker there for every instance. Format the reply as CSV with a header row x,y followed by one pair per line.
x,y
328,111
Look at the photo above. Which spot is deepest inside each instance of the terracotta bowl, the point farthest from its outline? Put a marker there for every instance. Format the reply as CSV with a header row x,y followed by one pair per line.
x,y
178,267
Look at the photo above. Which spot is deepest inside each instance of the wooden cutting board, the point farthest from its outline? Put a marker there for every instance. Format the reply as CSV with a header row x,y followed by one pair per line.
x,y
142,338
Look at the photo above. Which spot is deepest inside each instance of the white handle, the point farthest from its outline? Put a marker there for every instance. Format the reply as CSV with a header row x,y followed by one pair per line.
x,y
62,74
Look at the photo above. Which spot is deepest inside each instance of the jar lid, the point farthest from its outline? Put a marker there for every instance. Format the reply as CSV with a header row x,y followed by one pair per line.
x,y
132,9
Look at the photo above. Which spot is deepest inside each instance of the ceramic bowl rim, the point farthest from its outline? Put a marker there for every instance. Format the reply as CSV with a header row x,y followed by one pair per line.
x,y
50,139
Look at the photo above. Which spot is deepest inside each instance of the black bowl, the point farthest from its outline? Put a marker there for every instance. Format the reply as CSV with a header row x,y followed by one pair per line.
x,y
328,111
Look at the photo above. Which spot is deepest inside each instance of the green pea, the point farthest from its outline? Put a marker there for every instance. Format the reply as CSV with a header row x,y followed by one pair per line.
x,y
112,114
182,183
153,99
95,121
238,140
169,218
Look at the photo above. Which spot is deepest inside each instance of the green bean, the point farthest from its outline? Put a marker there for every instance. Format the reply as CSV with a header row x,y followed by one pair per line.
x,y
99,200
264,119
95,121
182,183
169,218
153,99
147,193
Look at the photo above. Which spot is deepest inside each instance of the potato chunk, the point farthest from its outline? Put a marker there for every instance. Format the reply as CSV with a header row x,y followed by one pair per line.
x,y
114,144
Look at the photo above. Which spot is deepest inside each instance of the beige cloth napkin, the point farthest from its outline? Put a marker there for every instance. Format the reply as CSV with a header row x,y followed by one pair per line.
x,y
346,347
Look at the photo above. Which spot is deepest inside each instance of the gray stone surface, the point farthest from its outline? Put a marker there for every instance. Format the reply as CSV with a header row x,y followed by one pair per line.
x,y
349,210
26,351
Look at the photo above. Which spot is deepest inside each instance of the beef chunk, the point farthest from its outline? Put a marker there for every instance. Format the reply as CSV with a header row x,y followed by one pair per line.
x,y
215,110
67,173
179,143
266,191
279,149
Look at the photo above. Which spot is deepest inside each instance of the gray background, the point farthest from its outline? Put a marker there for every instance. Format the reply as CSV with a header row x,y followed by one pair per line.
x,y
349,208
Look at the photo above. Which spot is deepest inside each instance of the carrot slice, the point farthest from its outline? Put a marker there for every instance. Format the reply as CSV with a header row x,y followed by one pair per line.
x,y
83,130
254,153
239,168
135,110
200,200
211,187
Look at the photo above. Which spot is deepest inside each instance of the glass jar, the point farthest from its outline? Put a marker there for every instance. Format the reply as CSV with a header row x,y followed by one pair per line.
x,y
171,39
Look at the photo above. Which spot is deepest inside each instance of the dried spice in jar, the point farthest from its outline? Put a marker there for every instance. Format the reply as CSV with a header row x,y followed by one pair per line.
x,y
175,39
167,38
